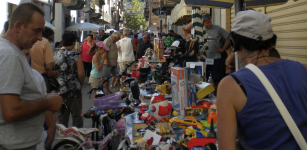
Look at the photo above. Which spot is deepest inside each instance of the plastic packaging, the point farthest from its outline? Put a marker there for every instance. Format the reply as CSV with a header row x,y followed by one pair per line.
x,y
109,101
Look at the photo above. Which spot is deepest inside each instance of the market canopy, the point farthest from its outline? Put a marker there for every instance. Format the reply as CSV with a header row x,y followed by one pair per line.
x,y
229,3
182,14
85,26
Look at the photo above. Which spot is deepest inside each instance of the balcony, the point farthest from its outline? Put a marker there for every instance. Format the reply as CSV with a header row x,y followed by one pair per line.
x,y
75,4
105,18
167,7
146,12
155,8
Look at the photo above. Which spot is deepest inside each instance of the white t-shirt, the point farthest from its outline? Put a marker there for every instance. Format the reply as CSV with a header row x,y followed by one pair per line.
x,y
119,56
18,78
127,49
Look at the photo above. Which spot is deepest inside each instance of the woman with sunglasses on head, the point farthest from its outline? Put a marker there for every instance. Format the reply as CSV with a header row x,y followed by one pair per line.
x,y
245,108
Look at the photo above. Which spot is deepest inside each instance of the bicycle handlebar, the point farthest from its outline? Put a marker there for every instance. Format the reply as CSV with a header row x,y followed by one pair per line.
x,y
100,87
123,72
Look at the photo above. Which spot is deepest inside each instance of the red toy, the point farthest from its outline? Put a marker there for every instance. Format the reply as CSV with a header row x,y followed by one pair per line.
x,y
159,109
194,142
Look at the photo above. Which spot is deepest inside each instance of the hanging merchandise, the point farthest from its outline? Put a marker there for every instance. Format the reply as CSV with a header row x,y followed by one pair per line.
x,y
168,41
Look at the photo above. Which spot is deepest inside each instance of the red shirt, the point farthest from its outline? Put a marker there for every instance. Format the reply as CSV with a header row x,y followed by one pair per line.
x,y
136,41
84,56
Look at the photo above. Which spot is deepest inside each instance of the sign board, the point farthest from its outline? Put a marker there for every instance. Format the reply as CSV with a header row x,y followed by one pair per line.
x,y
161,16
63,1
81,15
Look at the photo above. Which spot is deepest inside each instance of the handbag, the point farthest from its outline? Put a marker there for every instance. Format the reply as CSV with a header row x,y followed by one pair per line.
x,y
280,106
53,83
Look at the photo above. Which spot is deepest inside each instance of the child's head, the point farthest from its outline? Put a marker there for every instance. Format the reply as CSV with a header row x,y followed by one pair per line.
x,y
101,47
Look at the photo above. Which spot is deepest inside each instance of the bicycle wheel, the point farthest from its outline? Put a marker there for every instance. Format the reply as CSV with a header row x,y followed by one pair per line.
x,y
67,145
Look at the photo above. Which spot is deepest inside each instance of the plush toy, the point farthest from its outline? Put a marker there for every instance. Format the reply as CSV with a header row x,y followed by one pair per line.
x,y
159,109
146,144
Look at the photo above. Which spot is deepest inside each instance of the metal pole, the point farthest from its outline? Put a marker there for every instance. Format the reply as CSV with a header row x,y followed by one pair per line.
x,y
238,7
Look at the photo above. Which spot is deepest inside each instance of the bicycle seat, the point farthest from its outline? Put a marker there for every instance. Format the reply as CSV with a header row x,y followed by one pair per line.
x,y
86,131
63,131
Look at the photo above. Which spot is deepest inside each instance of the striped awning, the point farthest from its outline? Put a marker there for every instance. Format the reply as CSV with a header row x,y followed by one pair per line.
x,y
229,3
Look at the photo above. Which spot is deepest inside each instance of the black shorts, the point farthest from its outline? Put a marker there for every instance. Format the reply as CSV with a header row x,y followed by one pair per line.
x,y
216,71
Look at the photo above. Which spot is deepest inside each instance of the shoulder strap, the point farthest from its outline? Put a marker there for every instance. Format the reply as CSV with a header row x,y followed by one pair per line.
x,y
239,83
280,106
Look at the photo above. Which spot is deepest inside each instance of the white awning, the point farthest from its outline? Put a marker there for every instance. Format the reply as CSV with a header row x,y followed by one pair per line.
x,y
182,13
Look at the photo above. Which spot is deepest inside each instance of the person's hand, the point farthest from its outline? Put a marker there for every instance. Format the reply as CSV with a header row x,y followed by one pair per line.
x,y
57,74
107,63
50,137
219,50
55,101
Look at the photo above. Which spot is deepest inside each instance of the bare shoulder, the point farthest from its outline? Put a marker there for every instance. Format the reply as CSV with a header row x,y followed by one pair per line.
x,y
229,90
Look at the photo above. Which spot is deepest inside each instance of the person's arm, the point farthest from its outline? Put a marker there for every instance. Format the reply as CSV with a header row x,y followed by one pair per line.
x,y
224,47
97,64
188,28
80,70
133,43
14,109
225,35
136,53
50,72
230,99
106,55
50,122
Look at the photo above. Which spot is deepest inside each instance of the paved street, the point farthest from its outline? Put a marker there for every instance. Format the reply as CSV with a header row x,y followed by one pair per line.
x,y
86,104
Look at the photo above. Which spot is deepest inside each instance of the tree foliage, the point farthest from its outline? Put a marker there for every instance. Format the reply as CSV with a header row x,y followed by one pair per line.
x,y
134,21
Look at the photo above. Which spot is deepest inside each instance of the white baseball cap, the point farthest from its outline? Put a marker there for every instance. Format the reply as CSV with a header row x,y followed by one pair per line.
x,y
253,24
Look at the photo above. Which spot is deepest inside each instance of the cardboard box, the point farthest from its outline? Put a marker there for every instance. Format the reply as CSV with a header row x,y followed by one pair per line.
x,y
192,94
179,89
159,47
201,66
204,90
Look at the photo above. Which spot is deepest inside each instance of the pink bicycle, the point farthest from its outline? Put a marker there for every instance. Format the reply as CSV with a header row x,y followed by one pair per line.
x,y
79,138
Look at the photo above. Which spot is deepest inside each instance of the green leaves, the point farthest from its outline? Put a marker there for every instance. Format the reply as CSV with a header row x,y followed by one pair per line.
x,y
134,21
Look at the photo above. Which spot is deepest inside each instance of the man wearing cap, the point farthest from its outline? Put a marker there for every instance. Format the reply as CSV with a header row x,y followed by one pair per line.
x,y
213,33
246,109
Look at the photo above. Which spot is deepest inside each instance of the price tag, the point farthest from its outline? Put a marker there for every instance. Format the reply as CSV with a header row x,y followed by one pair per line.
x,y
192,65
209,61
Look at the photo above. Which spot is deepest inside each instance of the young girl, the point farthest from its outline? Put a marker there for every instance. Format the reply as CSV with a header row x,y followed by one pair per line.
x,y
97,63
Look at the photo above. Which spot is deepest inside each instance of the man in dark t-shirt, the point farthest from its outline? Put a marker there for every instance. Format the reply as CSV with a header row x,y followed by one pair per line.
x,y
102,35
176,36
144,43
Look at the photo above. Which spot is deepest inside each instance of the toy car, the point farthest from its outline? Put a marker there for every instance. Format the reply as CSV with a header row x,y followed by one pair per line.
x,y
182,123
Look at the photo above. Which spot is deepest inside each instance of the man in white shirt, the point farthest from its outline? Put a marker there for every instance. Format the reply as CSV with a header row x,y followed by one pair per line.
x,y
127,47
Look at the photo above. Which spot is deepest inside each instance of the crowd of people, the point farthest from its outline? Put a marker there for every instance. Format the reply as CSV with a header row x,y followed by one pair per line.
x,y
33,73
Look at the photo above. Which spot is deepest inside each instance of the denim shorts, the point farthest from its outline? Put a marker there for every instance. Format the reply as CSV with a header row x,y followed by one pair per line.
x,y
108,71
